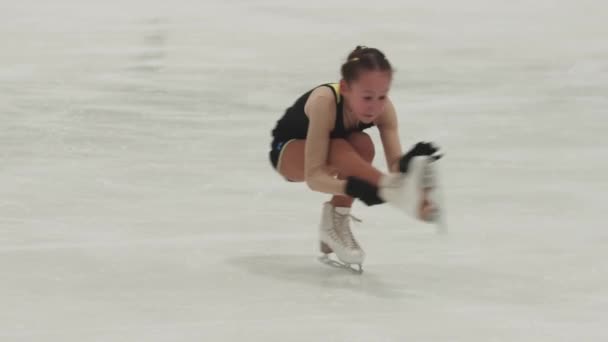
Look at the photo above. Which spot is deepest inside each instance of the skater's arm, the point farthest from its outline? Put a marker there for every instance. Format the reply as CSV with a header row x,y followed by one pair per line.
x,y
321,112
389,133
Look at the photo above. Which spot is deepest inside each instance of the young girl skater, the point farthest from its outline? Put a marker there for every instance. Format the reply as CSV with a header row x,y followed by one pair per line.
x,y
320,140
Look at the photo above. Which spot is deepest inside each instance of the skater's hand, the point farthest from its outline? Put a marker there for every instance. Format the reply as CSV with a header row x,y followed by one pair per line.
x,y
363,190
420,149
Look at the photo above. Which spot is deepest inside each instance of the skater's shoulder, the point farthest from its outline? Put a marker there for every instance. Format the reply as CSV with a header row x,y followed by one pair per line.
x,y
388,118
321,104
327,92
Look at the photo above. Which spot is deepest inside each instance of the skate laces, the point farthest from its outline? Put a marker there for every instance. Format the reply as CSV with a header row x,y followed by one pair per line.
x,y
342,228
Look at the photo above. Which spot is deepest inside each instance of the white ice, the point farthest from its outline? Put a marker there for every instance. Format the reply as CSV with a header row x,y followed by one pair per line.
x,y
137,202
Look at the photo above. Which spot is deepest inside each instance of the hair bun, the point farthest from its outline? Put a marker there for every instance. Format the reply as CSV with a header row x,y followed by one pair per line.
x,y
364,58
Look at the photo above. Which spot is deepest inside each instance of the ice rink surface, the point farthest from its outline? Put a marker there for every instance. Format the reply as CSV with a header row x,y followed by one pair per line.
x,y
138,203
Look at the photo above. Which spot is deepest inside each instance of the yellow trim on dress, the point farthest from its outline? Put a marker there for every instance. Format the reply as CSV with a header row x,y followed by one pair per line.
x,y
336,87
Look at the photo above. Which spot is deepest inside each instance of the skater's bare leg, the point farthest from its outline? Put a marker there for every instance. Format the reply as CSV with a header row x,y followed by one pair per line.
x,y
345,158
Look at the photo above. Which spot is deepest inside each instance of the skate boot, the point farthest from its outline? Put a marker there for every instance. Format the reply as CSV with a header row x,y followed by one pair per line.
x,y
335,236
412,190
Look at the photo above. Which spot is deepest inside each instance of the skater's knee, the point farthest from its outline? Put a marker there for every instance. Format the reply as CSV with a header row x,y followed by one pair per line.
x,y
339,146
363,144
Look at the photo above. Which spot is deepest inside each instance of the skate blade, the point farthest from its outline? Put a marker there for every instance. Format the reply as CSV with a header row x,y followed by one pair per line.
x,y
325,259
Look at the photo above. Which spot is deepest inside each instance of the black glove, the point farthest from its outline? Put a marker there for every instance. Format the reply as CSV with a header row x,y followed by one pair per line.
x,y
363,190
420,149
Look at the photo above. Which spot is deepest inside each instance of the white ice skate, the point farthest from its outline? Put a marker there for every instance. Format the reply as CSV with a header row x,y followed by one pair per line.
x,y
408,191
335,236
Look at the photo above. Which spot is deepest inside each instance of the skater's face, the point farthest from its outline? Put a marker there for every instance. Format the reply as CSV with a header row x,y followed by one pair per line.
x,y
365,97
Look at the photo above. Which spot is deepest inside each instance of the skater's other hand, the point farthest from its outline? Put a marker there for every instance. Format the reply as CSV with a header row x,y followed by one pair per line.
x,y
422,148
426,209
